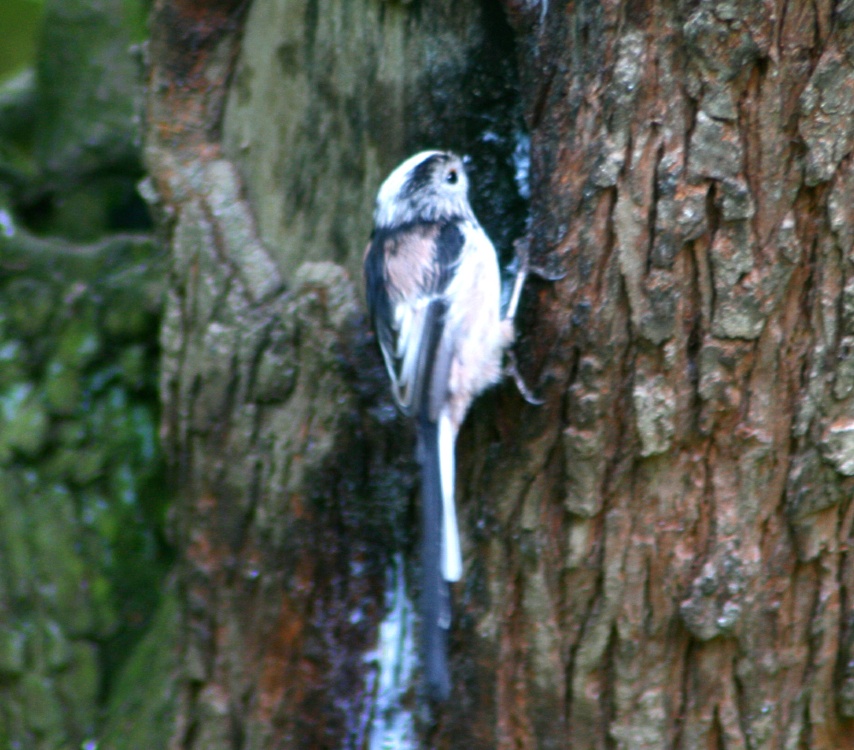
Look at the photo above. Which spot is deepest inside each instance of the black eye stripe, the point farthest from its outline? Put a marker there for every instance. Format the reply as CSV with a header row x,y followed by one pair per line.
x,y
421,175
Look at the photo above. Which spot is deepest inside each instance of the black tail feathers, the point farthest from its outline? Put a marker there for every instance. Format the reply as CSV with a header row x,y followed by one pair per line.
x,y
435,610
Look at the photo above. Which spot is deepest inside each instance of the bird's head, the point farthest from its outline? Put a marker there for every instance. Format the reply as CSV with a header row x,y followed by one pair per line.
x,y
430,186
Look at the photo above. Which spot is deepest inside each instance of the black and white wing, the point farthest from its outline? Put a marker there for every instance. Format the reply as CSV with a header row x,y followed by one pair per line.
x,y
407,273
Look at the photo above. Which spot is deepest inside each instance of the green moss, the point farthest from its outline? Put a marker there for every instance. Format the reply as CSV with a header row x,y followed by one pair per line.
x,y
57,652
23,421
41,707
126,320
28,304
79,342
12,652
87,82
62,388
89,464
20,21
11,365
77,688
133,366
69,432
143,701
82,496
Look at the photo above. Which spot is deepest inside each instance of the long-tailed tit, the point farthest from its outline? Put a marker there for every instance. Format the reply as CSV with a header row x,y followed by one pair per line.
x,y
434,293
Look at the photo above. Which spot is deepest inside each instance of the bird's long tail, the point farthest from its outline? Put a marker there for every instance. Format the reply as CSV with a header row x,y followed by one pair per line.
x,y
435,605
452,561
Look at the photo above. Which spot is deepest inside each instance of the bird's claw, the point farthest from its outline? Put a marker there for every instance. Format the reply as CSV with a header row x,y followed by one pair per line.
x,y
512,370
522,246
546,274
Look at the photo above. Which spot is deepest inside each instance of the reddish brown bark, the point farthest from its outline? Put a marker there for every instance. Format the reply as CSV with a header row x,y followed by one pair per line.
x,y
685,164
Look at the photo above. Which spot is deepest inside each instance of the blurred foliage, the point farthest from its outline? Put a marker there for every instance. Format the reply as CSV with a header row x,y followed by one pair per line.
x,y
83,555
20,21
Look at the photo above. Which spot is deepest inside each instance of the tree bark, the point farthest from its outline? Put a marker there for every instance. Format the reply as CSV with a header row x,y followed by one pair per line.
x,y
658,556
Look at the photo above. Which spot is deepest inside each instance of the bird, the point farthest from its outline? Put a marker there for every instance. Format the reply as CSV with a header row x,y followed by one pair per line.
x,y
434,293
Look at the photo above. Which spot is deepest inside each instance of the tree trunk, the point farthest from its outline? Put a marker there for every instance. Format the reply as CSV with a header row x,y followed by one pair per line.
x,y
655,558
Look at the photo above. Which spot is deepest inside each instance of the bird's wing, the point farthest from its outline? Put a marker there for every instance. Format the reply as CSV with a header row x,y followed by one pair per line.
x,y
407,273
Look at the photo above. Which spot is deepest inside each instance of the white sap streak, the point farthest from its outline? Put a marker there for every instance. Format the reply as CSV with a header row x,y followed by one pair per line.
x,y
522,164
390,724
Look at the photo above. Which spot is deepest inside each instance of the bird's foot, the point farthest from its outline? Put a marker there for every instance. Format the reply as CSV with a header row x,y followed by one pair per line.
x,y
512,369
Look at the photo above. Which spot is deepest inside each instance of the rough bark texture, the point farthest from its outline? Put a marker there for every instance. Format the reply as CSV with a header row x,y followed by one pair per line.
x,y
656,558
260,397
691,169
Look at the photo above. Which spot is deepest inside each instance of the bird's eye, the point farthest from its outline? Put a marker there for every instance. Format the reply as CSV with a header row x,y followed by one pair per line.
x,y
452,177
